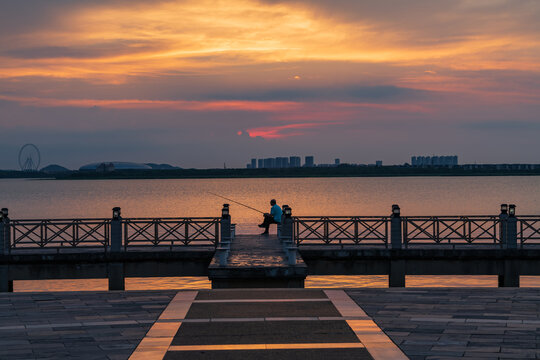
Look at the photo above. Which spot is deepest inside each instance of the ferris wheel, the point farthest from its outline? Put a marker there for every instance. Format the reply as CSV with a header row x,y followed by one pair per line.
x,y
29,157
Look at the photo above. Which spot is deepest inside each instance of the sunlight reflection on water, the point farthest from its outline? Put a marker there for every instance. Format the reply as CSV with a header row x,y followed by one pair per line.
x,y
195,282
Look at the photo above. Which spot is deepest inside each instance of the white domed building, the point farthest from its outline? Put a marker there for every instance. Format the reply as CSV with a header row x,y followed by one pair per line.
x,y
108,166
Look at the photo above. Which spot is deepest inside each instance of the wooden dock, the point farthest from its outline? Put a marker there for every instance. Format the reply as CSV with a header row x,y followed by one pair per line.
x,y
257,261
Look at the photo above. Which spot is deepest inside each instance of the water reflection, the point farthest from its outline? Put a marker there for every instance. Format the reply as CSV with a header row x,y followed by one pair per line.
x,y
196,282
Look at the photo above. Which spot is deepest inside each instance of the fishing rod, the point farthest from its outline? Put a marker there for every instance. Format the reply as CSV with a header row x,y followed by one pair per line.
x,y
236,202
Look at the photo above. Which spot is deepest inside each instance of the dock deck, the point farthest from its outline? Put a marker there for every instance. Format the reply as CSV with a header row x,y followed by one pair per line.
x,y
257,261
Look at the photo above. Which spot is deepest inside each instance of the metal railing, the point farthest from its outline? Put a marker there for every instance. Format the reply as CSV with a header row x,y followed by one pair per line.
x,y
171,231
341,230
452,230
59,233
96,233
414,230
528,230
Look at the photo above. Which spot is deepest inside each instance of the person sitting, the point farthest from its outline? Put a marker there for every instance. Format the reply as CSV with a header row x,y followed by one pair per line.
x,y
273,218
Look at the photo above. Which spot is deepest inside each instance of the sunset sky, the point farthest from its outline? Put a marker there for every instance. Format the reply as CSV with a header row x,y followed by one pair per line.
x,y
200,83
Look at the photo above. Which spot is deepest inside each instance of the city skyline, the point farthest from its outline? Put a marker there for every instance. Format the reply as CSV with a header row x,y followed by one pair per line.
x,y
200,83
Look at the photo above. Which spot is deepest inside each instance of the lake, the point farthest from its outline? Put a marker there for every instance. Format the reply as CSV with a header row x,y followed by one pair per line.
x,y
306,196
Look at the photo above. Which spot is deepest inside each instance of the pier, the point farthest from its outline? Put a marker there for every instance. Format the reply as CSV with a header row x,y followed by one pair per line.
x,y
505,245
257,261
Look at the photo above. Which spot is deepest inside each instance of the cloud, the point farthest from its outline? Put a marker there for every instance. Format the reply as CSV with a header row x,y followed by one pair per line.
x,y
350,76
348,93
284,131
91,51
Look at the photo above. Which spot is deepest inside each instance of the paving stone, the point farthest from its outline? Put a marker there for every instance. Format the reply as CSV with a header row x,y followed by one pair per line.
x,y
54,330
475,321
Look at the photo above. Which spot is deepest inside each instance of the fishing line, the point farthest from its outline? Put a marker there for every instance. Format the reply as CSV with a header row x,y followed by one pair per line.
x,y
236,202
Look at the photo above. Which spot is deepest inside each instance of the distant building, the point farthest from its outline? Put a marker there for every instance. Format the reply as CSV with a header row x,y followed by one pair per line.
x,y
54,169
269,163
282,162
295,161
435,161
336,162
105,167
378,163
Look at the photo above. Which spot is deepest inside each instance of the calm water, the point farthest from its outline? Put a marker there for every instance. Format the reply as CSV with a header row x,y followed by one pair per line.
x,y
311,196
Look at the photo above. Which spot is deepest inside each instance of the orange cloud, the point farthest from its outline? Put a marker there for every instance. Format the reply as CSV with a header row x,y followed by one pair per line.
x,y
112,42
282,131
265,106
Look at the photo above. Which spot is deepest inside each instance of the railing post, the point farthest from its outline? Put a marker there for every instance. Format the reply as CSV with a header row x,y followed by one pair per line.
x,y
116,230
287,225
510,270
503,218
5,233
225,223
395,228
511,228
6,285
115,270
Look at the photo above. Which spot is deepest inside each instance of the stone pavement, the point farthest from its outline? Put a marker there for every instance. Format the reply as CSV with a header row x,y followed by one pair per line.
x,y
265,324
438,323
82,325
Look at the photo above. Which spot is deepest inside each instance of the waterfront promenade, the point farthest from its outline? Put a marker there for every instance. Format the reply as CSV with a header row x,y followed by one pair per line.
x,y
418,323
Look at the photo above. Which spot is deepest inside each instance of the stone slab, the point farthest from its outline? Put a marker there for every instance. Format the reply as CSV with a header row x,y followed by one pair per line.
x,y
270,332
303,354
258,310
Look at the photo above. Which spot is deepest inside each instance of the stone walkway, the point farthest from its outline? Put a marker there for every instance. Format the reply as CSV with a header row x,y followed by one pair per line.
x,y
490,323
82,325
265,324
425,323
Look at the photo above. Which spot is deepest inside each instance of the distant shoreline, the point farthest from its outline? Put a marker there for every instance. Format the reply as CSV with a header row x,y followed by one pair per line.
x,y
385,171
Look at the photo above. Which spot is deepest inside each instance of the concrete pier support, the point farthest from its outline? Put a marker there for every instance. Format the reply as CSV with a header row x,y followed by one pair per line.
x,y
6,285
396,275
117,279
510,276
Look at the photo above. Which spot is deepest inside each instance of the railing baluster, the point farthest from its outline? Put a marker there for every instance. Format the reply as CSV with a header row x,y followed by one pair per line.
x,y
356,240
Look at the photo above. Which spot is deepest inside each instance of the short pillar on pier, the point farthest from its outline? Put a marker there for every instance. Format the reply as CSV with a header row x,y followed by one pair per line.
x,y
225,223
396,275
116,230
117,280
510,275
291,255
223,255
503,232
395,228
5,233
279,227
511,228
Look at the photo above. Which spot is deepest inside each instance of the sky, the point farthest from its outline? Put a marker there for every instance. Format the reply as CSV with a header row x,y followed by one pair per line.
x,y
202,83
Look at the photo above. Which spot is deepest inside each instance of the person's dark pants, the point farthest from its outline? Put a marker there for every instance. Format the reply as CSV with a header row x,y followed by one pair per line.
x,y
267,221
